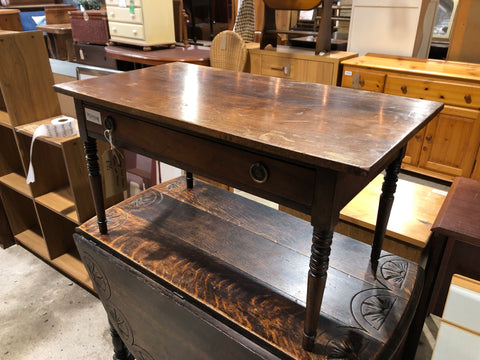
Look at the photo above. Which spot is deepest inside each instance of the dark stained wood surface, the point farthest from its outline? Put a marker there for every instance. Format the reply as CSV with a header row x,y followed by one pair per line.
x,y
245,264
457,226
459,216
193,54
318,125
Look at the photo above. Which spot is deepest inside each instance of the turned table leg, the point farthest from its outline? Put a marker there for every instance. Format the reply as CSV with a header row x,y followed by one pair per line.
x,y
384,208
120,351
317,277
96,183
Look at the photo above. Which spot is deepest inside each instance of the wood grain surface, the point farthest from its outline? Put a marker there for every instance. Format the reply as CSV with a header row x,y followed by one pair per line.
x,y
246,265
315,124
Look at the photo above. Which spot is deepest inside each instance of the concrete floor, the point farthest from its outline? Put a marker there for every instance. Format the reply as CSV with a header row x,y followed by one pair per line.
x,y
46,316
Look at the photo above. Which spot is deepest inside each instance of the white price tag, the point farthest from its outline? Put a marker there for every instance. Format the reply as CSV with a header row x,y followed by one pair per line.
x,y
122,3
93,116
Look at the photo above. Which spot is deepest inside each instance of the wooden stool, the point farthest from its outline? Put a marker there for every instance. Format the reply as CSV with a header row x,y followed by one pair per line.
x,y
10,20
59,41
205,273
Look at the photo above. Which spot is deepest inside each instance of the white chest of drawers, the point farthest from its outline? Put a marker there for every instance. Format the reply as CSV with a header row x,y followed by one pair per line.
x,y
141,22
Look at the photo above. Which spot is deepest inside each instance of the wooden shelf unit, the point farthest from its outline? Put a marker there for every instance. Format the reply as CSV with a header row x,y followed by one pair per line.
x,y
42,215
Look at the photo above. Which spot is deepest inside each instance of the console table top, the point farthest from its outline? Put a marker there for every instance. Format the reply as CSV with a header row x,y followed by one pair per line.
x,y
317,125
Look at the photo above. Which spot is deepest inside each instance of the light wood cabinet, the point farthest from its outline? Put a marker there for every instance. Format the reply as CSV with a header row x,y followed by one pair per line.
x,y
141,22
298,64
448,146
42,215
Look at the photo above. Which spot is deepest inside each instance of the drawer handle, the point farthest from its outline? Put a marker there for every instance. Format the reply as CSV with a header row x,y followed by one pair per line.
x,y
258,172
361,82
134,32
428,137
109,123
404,89
114,30
468,99
112,14
285,69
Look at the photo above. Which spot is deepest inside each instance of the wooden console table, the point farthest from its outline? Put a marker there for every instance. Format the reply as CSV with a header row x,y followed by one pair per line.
x,y
307,146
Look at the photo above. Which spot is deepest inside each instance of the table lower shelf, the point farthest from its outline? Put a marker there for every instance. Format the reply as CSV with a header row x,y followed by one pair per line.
x,y
246,266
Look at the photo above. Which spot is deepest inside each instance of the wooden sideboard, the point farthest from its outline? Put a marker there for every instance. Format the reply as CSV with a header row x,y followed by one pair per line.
x,y
299,64
448,146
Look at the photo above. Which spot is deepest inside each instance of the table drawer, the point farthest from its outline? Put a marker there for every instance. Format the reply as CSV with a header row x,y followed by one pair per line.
x,y
123,14
137,3
451,93
283,67
132,31
226,164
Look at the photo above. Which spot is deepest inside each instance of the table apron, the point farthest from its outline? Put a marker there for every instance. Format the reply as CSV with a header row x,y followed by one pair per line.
x,y
287,183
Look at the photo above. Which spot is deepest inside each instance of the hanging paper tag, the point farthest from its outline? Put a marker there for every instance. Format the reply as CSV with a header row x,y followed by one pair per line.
x,y
122,3
114,172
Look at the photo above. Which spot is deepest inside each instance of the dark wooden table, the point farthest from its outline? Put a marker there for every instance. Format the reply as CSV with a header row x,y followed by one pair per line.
x,y
306,146
193,54
457,227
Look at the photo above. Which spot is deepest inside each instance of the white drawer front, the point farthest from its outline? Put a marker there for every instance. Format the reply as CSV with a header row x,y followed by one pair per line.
x,y
131,31
124,15
462,308
123,3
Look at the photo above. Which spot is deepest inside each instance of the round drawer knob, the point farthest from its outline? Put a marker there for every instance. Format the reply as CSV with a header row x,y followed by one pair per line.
x,y
109,123
134,32
404,89
468,98
112,14
258,172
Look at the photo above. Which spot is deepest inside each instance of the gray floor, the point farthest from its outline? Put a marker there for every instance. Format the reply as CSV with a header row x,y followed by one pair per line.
x,y
45,316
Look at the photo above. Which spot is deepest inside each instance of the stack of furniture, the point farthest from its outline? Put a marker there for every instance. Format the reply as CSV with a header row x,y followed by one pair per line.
x,y
262,144
449,146
42,215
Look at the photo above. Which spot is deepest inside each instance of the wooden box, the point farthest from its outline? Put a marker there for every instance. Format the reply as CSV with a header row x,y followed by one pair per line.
x,y
58,15
91,54
90,26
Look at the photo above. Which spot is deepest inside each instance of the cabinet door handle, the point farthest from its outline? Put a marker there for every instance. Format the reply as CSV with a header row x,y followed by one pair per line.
x,y
468,98
428,137
404,89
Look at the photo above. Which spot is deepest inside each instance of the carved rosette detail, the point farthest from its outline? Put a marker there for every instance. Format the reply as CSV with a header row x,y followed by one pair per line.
x,y
116,217
375,309
120,323
345,347
97,276
142,354
145,199
372,307
395,272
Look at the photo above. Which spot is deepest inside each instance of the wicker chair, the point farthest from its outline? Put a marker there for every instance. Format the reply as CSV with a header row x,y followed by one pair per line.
x,y
228,51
